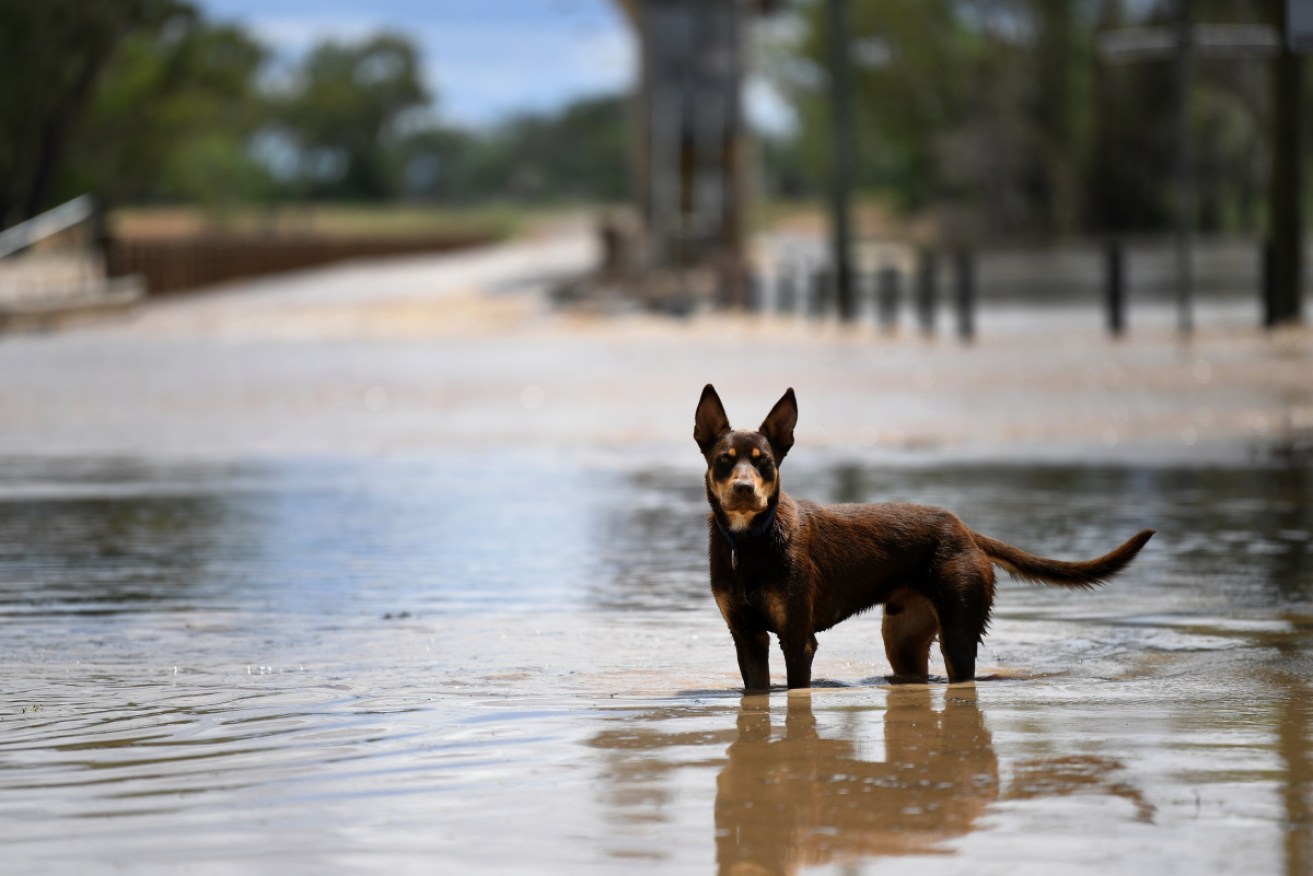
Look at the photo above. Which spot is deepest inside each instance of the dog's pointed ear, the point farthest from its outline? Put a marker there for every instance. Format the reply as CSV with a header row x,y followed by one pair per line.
x,y
779,423
710,422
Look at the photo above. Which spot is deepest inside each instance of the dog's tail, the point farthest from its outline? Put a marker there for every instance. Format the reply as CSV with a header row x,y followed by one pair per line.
x,y
1040,570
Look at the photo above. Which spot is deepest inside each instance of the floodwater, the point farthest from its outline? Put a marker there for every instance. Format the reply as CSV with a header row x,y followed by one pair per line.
x,y
513,665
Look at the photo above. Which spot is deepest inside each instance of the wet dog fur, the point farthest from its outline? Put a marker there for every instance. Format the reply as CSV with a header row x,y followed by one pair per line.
x,y
796,568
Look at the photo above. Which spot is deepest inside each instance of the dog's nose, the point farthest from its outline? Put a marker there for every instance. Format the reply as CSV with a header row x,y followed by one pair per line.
x,y
744,488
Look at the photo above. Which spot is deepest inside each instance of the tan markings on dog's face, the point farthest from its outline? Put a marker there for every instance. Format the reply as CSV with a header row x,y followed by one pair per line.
x,y
742,476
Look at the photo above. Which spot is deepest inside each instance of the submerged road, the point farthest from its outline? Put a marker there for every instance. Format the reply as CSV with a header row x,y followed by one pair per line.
x,y
416,355
352,569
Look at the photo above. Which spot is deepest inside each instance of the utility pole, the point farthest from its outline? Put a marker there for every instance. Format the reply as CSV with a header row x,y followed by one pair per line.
x,y
1185,207
841,159
1287,180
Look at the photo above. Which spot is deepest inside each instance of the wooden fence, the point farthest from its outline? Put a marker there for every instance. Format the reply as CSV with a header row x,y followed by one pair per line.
x,y
175,265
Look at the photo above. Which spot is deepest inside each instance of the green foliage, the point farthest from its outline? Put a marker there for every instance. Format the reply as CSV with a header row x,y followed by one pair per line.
x,y
144,101
214,169
53,57
999,117
577,154
132,100
344,113
171,118
969,108
988,116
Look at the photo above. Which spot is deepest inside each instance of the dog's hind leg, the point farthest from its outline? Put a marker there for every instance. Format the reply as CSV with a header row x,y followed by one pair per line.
x,y
965,597
959,652
910,624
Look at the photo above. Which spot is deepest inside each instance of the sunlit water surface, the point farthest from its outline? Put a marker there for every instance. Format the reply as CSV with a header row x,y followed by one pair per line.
x,y
506,665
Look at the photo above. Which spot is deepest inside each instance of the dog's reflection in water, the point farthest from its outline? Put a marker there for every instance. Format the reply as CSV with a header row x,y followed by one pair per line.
x,y
809,794
800,799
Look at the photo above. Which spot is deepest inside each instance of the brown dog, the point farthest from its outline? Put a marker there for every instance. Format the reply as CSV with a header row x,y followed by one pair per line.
x,y
796,568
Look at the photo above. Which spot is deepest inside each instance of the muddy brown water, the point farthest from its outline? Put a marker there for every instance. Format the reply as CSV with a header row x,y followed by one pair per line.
x,y
498,665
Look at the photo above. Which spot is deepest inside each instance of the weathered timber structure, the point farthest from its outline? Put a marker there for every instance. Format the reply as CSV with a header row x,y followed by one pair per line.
x,y
690,150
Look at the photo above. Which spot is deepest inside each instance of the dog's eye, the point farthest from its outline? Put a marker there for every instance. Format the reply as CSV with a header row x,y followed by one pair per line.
x,y
724,459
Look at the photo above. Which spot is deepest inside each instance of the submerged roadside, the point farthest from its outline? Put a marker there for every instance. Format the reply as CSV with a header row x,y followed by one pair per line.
x,y
423,355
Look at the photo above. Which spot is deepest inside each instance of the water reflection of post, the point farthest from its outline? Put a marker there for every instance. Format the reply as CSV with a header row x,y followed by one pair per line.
x,y
1290,497
1293,745
1289,573
804,800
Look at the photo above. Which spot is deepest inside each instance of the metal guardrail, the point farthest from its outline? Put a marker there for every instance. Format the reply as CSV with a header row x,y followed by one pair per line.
x,y
48,224
52,271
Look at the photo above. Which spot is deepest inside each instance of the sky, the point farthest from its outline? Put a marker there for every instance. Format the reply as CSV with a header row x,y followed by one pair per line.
x,y
485,59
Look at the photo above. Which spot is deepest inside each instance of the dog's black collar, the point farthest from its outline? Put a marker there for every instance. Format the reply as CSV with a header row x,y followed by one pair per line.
x,y
759,527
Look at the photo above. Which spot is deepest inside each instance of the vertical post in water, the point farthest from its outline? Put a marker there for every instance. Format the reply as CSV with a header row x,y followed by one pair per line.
x,y
1284,303
966,295
786,288
1271,307
841,162
927,284
756,291
1184,170
887,281
1115,287
102,240
819,299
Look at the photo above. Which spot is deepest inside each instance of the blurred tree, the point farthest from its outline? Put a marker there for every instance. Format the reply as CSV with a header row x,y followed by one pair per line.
x,y
345,113
1063,60
437,161
997,108
999,117
144,100
172,118
53,55
579,153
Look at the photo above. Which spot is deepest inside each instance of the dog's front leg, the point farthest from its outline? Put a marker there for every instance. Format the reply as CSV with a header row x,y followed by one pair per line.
x,y
753,647
799,649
